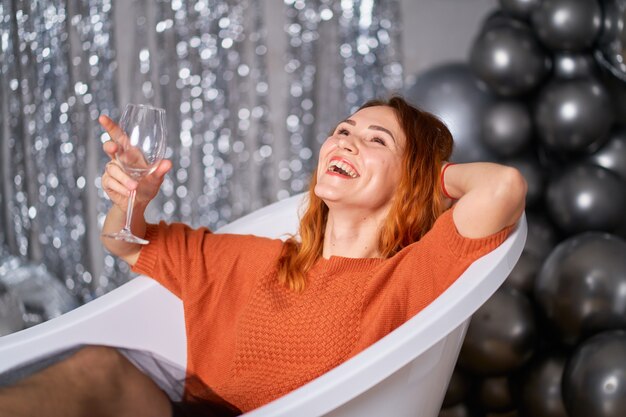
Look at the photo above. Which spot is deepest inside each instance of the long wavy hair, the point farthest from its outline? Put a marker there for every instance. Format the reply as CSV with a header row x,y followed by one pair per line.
x,y
417,202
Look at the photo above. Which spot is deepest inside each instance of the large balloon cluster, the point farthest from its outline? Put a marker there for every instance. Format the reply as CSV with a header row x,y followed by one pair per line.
x,y
545,91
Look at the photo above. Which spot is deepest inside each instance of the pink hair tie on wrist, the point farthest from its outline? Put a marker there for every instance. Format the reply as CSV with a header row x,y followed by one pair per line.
x,y
443,184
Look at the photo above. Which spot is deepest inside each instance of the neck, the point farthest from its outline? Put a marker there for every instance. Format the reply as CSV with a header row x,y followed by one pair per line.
x,y
351,234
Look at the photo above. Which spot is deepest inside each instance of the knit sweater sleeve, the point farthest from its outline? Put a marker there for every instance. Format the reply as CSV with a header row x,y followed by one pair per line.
x,y
184,259
445,235
442,255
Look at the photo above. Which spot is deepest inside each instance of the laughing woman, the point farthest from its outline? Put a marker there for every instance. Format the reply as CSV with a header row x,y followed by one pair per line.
x,y
389,226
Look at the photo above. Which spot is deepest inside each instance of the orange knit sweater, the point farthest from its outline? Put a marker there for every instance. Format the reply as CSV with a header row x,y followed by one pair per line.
x,y
252,340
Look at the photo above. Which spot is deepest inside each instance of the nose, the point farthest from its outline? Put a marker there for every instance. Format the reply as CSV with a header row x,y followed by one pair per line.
x,y
346,143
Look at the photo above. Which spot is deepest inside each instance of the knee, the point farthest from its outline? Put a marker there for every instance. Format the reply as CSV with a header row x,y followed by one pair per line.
x,y
118,384
99,365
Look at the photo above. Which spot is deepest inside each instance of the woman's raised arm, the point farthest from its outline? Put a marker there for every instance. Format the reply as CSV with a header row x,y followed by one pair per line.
x,y
117,184
488,196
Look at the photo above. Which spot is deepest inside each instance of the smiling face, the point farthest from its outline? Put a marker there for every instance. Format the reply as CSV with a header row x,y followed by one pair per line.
x,y
360,164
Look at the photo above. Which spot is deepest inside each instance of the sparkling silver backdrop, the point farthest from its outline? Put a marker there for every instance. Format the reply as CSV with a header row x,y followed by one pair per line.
x,y
205,62
57,64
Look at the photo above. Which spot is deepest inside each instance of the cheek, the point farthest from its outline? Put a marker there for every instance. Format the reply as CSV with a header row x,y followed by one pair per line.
x,y
326,147
391,170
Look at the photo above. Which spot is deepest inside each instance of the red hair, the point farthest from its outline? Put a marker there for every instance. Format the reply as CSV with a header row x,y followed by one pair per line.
x,y
416,205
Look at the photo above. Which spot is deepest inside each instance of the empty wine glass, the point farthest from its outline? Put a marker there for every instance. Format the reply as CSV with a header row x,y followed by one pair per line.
x,y
141,146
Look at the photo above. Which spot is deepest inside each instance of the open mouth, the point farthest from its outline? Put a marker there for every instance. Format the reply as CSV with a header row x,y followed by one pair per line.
x,y
342,169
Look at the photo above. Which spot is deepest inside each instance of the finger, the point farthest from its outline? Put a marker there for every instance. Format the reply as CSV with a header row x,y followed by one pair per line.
x,y
110,185
110,148
112,128
159,173
116,172
163,168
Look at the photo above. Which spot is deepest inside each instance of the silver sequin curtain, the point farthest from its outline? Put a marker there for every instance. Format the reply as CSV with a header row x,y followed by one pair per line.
x,y
205,62
58,66
340,54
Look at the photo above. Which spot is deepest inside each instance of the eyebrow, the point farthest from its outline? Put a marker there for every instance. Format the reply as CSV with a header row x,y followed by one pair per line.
x,y
373,127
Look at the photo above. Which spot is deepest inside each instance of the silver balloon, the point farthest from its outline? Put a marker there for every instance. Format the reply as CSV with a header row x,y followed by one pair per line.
x,y
507,127
587,198
580,287
451,92
570,25
519,8
43,295
509,59
594,380
574,115
11,311
611,49
540,394
612,155
501,335
568,65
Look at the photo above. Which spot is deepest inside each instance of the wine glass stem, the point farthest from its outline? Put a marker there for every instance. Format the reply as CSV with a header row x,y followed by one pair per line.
x,y
129,210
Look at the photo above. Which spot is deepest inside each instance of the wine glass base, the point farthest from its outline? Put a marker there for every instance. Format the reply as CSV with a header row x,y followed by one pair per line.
x,y
126,236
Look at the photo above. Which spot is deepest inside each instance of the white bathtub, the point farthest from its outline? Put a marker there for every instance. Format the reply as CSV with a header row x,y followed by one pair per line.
x,y
404,374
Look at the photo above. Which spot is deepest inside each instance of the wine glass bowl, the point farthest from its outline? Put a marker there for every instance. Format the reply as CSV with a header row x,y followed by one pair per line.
x,y
140,149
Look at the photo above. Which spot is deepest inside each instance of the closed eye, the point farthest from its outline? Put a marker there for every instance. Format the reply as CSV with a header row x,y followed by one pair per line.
x,y
378,140
342,131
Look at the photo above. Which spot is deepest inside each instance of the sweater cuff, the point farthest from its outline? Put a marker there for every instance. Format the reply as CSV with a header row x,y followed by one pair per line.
x,y
148,254
463,246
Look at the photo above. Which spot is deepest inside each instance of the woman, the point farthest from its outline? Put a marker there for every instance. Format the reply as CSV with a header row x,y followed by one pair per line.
x,y
376,246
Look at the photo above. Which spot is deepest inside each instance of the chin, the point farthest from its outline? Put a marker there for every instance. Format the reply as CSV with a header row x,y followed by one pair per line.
x,y
324,192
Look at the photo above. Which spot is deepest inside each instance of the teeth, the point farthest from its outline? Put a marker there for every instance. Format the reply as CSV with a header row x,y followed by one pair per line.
x,y
344,167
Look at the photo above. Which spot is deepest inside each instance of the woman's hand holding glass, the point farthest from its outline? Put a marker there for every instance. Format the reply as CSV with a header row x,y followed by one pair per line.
x,y
136,170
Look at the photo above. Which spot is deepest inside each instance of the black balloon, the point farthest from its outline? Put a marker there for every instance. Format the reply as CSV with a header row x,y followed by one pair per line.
x,y
494,394
512,413
498,18
594,380
523,275
581,286
540,394
542,236
617,90
458,388
611,49
571,25
528,165
574,115
507,127
569,65
509,59
586,197
451,92
612,155
501,335
519,8
459,410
